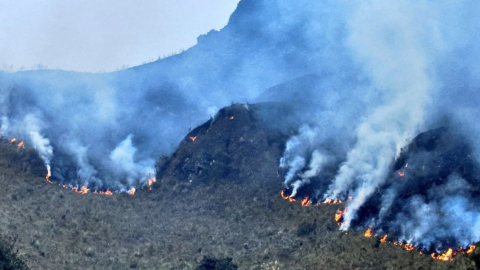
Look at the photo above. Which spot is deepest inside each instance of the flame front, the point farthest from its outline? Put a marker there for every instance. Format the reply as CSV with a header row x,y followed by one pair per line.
x,y
150,182
446,256
368,233
409,247
193,138
401,173
131,192
384,239
332,201
290,199
338,216
83,190
13,140
108,192
306,202
49,174
21,144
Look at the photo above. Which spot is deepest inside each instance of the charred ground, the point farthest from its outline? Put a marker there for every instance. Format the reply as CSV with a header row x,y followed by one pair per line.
x,y
216,196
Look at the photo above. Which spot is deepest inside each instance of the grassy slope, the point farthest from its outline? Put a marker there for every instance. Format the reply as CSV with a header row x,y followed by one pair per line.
x,y
176,224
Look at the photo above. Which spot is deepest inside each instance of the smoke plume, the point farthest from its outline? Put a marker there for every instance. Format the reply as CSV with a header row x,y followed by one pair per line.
x,y
357,83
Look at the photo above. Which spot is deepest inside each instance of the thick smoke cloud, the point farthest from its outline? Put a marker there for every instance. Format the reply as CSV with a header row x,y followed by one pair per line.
x,y
357,82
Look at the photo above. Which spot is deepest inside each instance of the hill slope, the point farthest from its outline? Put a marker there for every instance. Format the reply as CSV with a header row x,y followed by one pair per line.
x,y
217,195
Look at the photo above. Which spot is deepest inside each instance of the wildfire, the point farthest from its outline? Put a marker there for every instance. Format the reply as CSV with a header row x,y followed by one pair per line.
x,y
401,173
83,190
306,202
193,138
49,174
131,192
368,233
290,199
13,140
232,117
21,144
150,182
384,239
338,216
409,247
107,193
446,256
406,165
332,202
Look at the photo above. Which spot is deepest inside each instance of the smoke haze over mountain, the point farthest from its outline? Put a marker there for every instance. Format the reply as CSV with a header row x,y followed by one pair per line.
x,y
359,80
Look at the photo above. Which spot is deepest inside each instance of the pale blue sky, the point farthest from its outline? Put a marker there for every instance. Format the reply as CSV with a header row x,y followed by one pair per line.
x,y
93,35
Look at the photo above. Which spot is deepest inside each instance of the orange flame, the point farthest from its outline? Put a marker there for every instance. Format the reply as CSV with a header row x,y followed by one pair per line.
x,y
232,117
401,174
83,190
290,199
306,202
471,249
193,138
150,182
446,256
368,233
332,201
49,174
20,144
131,192
13,140
384,239
338,216
107,193
409,247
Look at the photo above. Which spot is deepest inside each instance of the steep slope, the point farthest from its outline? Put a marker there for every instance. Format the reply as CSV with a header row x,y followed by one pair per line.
x,y
218,195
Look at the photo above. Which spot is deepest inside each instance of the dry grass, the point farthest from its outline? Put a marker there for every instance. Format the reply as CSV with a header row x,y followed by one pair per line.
x,y
180,221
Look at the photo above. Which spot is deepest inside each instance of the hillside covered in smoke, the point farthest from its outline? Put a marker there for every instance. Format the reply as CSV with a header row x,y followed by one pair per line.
x,y
356,82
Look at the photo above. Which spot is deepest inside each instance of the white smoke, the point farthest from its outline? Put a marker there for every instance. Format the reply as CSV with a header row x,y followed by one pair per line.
x,y
4,125
296,151
123,157
317,161
32,127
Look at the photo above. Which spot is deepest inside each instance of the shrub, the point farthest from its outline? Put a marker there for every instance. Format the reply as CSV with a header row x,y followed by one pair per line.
x,y
9,259
210,263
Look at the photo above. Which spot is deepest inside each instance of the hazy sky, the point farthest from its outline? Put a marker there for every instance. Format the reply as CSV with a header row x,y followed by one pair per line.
x,y
93,35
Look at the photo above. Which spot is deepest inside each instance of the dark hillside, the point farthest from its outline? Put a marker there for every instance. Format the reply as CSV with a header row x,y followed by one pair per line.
x,y
218,196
